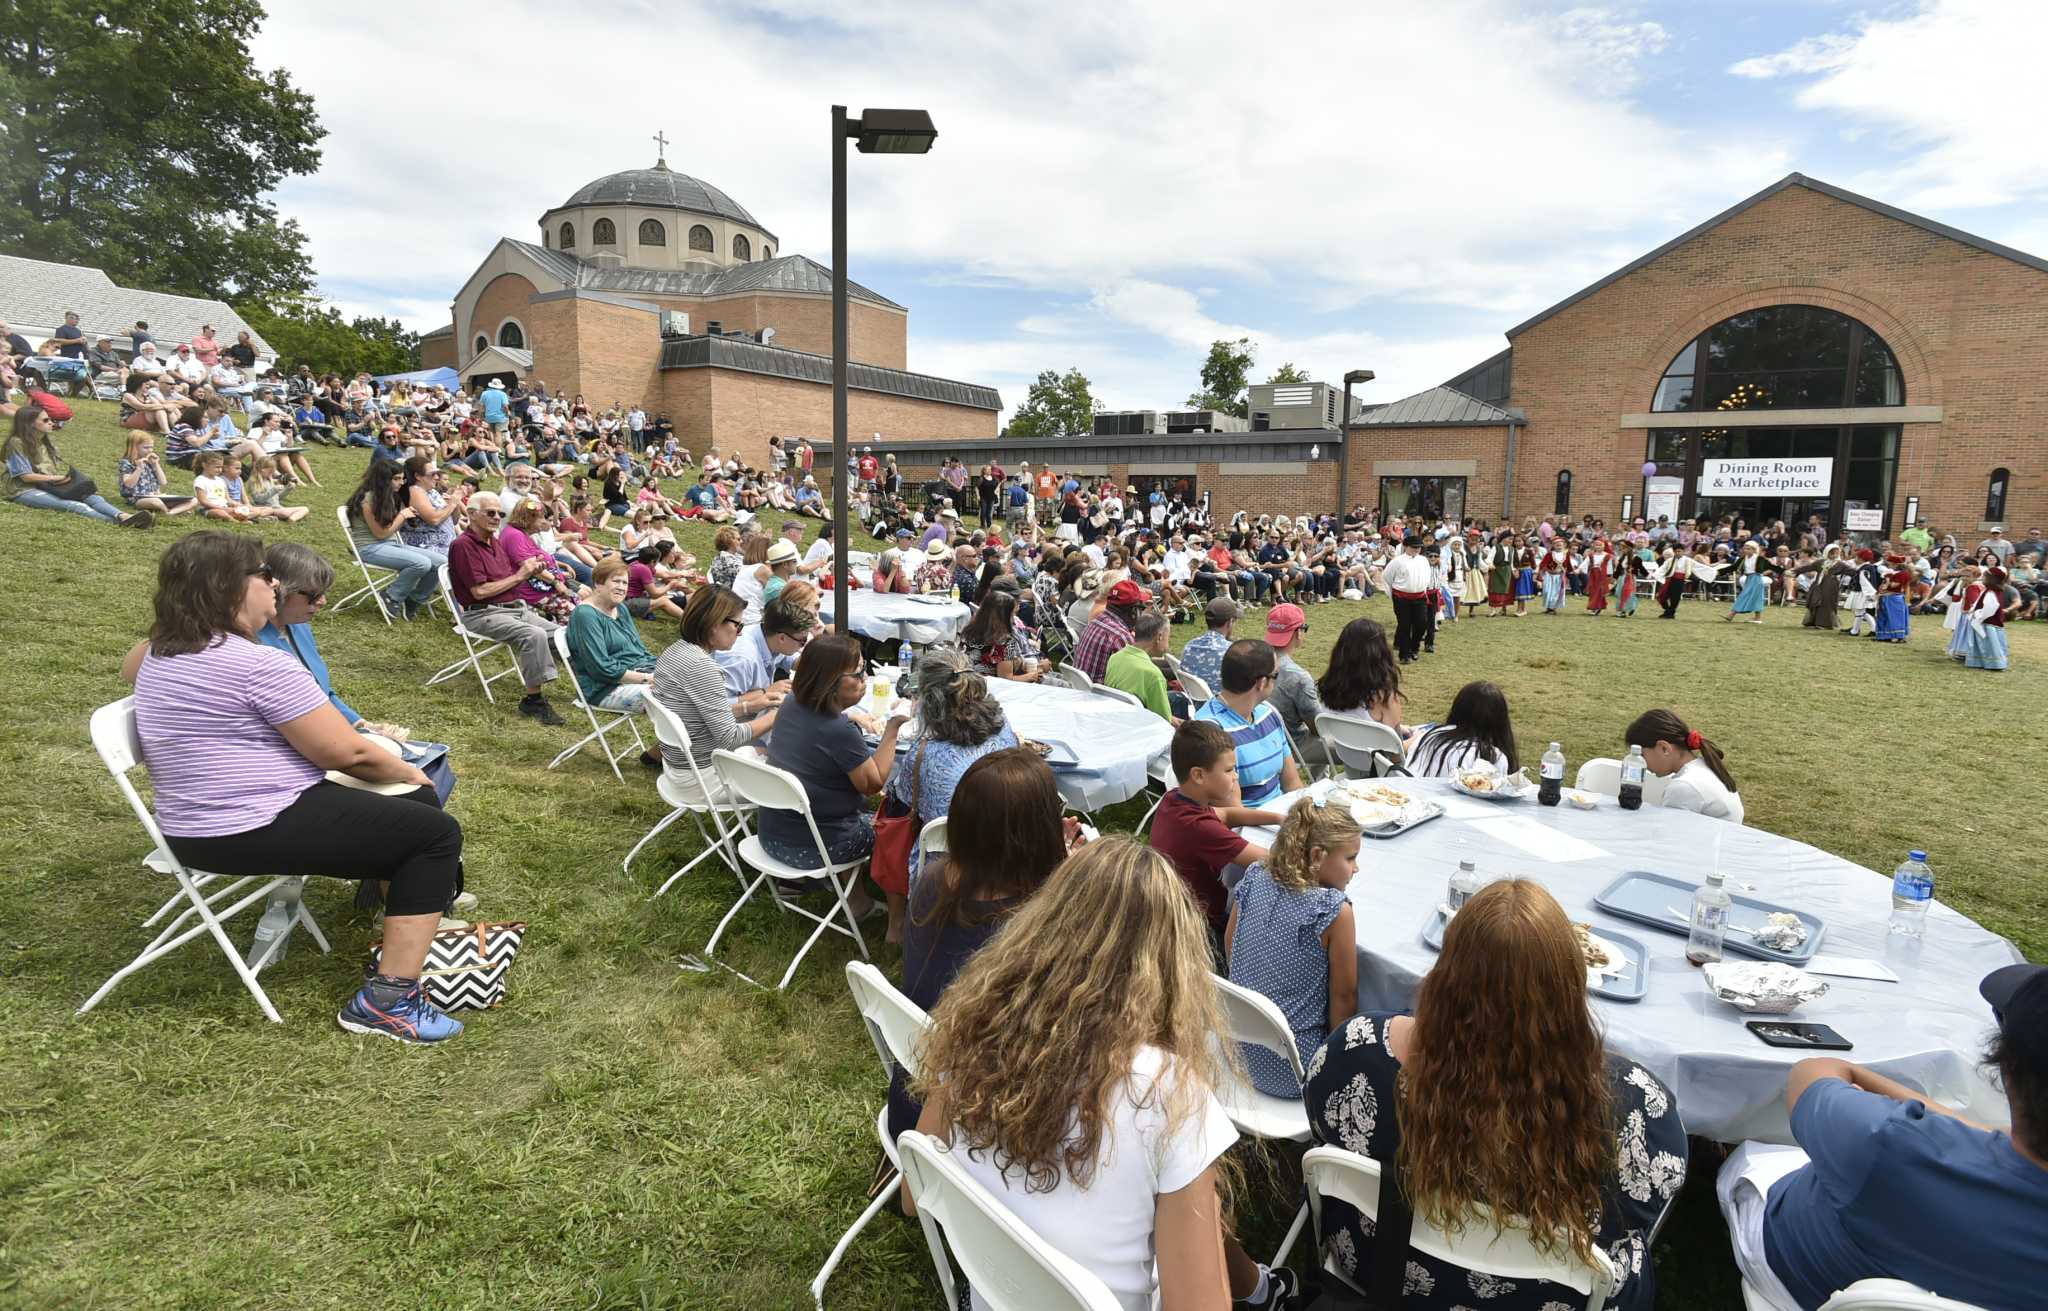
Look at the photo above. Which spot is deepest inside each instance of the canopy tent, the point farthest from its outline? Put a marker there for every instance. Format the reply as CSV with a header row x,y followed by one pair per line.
x,y
426,377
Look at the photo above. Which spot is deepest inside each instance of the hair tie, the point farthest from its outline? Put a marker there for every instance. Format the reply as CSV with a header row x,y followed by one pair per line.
x,y
1321,800
1692,739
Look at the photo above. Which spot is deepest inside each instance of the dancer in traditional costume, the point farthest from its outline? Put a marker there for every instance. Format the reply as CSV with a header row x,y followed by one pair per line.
x,y
1964,592
1863,591
1525,577
1986,622
1631,566
1824,593
1893,623
1500,576
1476,560
1599,565
1749,575
1555,564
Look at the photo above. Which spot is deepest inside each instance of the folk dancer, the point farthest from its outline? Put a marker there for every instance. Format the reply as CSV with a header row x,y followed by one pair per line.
x,y
1749,573
1863,592
1892,620
1986,622
1599,568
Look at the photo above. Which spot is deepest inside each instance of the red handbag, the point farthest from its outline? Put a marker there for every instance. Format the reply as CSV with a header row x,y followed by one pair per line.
x,y
896,834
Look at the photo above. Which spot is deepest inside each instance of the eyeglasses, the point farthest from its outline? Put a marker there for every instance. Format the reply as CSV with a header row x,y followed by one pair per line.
x,y
491,514
738,626
263,571
312,597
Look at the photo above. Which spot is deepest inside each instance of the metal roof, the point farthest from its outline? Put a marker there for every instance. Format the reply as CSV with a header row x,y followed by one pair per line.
x,y
1492,379
36,293
784,273
746,356
1438,407
445,330
661,187
1811,184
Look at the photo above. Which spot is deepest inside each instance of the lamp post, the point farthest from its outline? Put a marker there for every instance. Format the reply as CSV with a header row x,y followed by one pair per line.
x,y
875,132
1352,379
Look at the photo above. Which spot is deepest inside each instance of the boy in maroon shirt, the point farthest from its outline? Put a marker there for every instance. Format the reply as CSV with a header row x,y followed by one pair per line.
x,y
1194,824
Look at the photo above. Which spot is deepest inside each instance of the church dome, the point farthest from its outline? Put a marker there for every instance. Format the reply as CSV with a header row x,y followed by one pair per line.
x,y
661,187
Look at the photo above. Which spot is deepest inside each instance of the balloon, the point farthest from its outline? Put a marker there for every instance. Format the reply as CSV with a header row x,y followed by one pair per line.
x,y
1649,468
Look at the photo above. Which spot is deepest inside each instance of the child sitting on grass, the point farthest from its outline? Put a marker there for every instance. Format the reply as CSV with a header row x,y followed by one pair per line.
x,y
1193,825
1292,937
266,488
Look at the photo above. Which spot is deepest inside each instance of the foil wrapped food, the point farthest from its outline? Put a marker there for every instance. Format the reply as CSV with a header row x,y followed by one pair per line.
x,y
1763,987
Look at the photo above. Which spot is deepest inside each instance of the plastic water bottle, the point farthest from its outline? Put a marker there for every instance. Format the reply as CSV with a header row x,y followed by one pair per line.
x,y
1912,894
1464,884
1552,788
1709,921
275,925
1632,771
904,658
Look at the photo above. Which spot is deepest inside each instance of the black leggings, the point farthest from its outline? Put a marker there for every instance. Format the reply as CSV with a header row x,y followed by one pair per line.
x,y
347,833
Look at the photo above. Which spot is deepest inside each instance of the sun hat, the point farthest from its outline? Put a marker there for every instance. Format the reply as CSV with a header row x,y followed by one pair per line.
x,y
1089,584
938,550
498,383
781,551
949,513
1283,622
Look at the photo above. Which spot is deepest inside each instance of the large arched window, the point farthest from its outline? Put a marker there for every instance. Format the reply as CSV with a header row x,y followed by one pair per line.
x,y
567,241
1994,494
652,233
602,233
741,249
1564,491
700,238
1782,357
511,334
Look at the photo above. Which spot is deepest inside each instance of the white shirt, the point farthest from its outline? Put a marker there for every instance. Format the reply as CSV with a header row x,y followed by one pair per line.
x,y
1407,573
819,550
1694,787
149,365
1107,1227
1096,558
189,369
1177,565
1426,763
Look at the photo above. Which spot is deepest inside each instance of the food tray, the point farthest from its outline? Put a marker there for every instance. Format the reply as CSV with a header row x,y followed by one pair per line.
x,y
1647,898
1411,817
1629,985
1061,756
929,598
1512,787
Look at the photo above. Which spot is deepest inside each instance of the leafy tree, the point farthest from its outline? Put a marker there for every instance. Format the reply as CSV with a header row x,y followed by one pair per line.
x,y
1224,376
1057,405
140,138
304,331
1288,373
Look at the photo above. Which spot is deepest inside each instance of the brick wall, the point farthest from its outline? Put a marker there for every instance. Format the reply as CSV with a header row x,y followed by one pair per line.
x,y
874,335
1484,448
438,352
1310,490
743,410
504,297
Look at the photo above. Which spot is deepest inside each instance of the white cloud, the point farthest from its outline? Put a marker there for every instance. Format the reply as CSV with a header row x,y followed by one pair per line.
x,y
1815,54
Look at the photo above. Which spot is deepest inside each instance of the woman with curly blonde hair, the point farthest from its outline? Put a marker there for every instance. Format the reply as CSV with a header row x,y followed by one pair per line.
x,y
1073,1066
1498,1101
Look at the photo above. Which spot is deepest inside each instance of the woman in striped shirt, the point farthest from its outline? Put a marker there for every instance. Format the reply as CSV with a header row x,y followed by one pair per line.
x,y
689,682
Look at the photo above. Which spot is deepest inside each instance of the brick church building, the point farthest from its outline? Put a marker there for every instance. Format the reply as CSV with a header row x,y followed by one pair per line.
x,y
650,286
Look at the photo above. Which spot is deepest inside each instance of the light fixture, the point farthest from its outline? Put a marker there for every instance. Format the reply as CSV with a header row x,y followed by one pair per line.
x,y
892,132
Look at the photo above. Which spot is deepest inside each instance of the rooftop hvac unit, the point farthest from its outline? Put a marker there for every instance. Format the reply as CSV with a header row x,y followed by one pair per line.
x,y
1130,423
1293,405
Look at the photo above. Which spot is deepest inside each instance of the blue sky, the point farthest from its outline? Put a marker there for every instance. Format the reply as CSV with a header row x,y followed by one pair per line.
x,y
1387,185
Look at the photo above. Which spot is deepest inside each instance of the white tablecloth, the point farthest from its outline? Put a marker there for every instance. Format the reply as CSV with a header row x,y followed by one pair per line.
x,y
894,617
1927,1030
1115,741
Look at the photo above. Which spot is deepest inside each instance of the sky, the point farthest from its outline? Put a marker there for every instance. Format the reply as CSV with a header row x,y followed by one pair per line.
x,y
1386,185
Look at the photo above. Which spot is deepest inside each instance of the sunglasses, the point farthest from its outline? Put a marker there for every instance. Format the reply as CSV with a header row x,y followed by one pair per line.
x,y
263,571
491,514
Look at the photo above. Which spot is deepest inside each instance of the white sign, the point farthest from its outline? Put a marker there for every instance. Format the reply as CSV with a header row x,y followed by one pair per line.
x,y
1813,477
1660,499
1863,521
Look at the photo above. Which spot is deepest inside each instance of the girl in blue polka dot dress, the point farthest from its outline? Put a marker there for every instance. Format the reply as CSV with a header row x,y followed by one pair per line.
x,y
1291,935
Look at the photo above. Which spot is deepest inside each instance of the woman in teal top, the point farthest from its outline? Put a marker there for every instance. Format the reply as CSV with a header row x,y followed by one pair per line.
x,y
612,664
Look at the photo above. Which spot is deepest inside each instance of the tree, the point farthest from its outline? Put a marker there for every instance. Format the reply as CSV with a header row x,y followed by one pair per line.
x,y
304,331
1057,405
1224,376
1288,373
140,138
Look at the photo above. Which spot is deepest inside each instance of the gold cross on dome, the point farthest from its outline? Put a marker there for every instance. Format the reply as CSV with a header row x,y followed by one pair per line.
x,y
660,147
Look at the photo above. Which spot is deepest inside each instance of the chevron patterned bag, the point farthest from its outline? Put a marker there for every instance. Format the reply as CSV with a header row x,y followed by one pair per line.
x,y
466,968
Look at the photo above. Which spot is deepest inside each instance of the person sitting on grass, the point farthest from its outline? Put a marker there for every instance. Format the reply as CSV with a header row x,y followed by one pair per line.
x,y
646,593
266,487
1888,1183
218,498
1477,733
1196,824
143,479
38,477
1135,668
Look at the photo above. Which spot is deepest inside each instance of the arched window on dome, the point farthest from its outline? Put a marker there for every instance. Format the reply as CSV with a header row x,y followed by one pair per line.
x,y
700,238
603,233
567,240
652,233
1781,357
510,334
741,249
767,252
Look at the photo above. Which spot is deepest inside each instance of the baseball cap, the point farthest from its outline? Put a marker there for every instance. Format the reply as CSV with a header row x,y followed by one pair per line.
x,y
2019,997
1222,610
1126,592
903,533
781,551
1282,622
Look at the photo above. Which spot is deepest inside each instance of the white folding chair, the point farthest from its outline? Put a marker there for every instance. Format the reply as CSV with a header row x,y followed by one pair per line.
x,y
1192,687
598,730
374,576
691,790
1348,1177
477,646
1158,770
1301,761
769,788
1891,1295
1366,749
894,1023
1011,1268
1116,694
1602,774
931,841
1254,1019
114,737
1070,676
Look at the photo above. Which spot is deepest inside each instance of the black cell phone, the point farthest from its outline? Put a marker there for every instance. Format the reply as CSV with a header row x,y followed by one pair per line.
x,y
1794,1033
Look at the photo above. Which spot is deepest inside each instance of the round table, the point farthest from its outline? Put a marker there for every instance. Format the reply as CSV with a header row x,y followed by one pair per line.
x,y
1927,1030
1116,742
895,617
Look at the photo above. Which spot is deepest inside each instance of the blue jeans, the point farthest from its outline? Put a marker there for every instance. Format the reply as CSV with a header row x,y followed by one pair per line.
x,y
574,566
92,507
416,581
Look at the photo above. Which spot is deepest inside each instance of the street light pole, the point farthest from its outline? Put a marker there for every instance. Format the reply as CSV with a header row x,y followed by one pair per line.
x,y
1355,376
842,614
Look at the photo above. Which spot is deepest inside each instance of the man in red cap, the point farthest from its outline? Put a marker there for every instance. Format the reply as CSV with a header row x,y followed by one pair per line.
x,y
1109,631
1294,693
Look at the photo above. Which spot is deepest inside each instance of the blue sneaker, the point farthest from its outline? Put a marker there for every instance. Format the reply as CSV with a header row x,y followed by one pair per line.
x,y
412,1018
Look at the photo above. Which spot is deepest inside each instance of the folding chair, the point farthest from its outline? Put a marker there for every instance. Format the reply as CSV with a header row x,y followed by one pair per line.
x,y
694,792
1602,774
1301,761
769,788
374,576
1508,1254
475,644
1193,688
1116,694
931,841
1158,770
1254,1019
613,718
1069,676
1890,1295
1366,749
894,1023
114,737
1011,1268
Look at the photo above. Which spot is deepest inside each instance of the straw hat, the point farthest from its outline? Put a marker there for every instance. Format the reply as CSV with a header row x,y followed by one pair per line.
x,y
938,550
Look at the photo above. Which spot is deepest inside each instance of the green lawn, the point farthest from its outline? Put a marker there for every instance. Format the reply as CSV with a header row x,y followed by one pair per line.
x,y
623,1133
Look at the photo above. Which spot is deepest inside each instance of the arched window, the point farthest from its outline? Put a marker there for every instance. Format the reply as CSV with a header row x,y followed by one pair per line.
x,y
483,343
700,238
1994,495
652,233
1782,357
510,334
567,241
740,247
602,233
767,252
1564,491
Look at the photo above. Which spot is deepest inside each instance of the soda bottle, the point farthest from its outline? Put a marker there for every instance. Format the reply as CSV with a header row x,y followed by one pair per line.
x,y
1552,788
1632,771
1709,921
1464,883
1912,894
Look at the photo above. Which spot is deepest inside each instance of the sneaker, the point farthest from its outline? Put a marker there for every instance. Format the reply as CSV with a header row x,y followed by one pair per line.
x,y
537,707
464,902
1283,1290
411,1019
137,519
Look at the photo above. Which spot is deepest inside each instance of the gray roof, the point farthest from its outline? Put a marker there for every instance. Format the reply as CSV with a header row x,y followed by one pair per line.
x,y
1811,184
36,293
1437,407
445,330
661,187
784,273
1492,379
781,362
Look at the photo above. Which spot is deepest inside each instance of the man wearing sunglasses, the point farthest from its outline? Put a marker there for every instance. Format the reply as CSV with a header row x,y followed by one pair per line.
x,y
485,580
